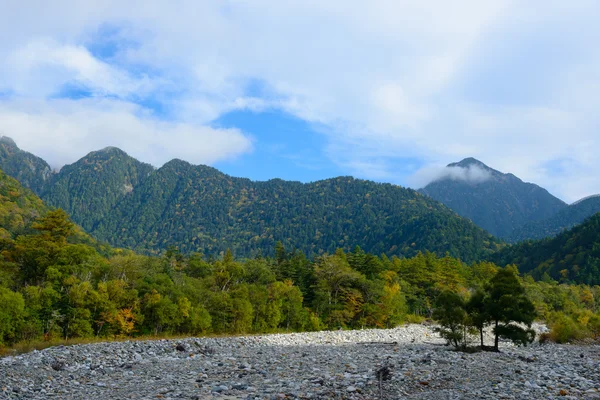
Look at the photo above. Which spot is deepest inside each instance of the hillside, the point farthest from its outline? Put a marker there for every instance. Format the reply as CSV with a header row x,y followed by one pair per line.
x,y
33,172
567,218
19,207
200,209
572,256
90,188
197,208
495,201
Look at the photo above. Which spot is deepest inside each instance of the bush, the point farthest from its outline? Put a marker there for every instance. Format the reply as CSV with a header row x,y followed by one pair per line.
x,y
414,319
594,326
564,329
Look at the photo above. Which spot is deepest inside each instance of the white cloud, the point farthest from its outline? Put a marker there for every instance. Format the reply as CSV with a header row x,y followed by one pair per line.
x,y
473,174
511,83
43,66
62,131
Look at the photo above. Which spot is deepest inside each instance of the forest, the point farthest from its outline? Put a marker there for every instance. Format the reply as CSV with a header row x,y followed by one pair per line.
x,y
572,256
55,286
126,203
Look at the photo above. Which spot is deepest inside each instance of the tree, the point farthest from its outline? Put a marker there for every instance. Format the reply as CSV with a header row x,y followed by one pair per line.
x,y
55,226
478,314
452,316
334,281
12,313
508,306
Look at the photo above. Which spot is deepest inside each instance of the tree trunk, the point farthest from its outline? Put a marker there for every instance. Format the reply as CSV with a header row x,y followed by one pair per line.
x,y
496,337
481,336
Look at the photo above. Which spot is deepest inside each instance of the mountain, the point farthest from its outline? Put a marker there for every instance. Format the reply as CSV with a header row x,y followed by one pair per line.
x,y
201,209
33,172
495,201
126,203
567,218
89,189
572,256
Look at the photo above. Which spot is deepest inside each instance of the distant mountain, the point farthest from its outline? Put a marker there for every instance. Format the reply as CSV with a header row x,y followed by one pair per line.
x,y
572,256
567,218
33,172
197,208
495,201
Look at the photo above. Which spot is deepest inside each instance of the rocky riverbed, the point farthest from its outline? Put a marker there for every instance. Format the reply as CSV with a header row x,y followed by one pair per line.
x,y
411,361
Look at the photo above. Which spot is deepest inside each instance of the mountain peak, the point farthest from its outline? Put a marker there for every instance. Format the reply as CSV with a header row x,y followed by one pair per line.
x,y
469,162
8,141
496,201
112,150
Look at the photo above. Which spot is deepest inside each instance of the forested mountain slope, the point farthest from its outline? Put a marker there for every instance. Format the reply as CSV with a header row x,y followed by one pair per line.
x,y
493,200
33,172
19,207
197,208
567,218
90,188
201,209
572,256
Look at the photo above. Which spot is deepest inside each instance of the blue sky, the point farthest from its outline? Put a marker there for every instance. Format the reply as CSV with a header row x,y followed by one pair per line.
x,y
306,90
284,147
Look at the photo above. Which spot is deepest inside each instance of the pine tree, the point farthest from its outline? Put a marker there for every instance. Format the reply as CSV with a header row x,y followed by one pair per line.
x,y
508,306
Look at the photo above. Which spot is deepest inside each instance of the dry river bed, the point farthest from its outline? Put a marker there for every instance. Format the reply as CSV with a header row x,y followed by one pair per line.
x,y
319,365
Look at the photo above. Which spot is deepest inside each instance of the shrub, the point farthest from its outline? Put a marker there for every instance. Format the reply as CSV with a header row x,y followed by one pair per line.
x,y
564,329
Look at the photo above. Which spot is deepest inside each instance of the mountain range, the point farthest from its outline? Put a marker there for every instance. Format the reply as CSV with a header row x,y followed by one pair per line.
x,y
127,203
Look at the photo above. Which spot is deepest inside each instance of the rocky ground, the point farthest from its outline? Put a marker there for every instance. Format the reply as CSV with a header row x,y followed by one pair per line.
x,y
321,365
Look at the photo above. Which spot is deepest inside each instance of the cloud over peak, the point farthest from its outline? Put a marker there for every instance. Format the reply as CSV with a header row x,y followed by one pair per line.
x,y
472,174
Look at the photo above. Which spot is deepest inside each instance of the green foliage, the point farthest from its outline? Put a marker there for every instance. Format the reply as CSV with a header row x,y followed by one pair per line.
x,y
90,188
564,328
55,286
12,315
571,257
33,172
479,315
507,306
452,316
504,305
128,204
19,207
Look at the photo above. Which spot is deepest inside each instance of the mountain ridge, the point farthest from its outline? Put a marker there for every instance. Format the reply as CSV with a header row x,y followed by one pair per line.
x,y
131,204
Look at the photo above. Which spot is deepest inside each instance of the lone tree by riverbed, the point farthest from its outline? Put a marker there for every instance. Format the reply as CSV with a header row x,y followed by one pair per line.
x,y
503,305
509,308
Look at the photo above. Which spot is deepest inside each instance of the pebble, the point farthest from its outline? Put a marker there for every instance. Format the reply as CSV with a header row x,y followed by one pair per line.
x,y
316,365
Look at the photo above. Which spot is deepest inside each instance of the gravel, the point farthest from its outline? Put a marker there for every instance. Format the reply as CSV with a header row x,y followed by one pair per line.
x,y
406,362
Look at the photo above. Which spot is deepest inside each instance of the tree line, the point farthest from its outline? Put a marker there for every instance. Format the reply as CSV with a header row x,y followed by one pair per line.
x,y
52,286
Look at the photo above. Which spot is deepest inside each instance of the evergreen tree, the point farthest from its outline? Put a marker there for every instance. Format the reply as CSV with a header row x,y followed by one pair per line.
x,y
507,305
451,314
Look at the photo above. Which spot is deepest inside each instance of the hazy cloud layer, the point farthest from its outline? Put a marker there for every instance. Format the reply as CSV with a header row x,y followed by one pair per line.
x,y
473,174
511,83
